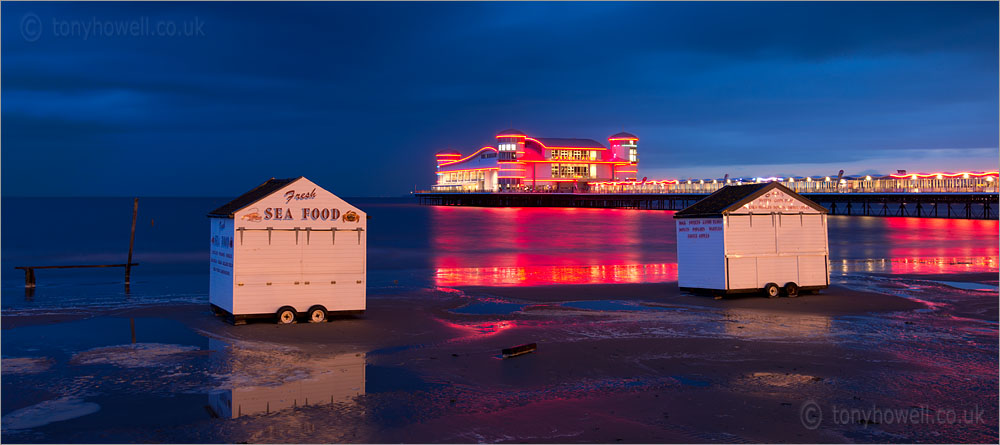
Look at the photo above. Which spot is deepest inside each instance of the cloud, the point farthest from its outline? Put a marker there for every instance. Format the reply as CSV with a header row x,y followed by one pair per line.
x,y
363,94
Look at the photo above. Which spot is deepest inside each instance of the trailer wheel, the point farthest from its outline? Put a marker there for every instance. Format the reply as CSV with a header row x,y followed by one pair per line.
x,y
286,315
792,290
772,290
317,314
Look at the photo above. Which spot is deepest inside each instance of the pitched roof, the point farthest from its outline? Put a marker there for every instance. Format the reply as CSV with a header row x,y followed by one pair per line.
x,y
623,135
260,192
732,197
511,131
570,142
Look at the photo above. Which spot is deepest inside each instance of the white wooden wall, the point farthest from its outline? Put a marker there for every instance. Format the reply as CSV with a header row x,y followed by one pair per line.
x,y
700,253
220,275
320,267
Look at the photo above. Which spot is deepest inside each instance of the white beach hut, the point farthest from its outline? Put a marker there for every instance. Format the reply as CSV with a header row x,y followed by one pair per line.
x,y
747,238
287,248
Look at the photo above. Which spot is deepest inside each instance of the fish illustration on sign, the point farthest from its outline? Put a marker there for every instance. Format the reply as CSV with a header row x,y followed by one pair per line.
x,y
253,216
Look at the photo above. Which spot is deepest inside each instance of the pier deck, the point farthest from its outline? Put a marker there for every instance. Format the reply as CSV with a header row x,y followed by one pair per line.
x,y
925,205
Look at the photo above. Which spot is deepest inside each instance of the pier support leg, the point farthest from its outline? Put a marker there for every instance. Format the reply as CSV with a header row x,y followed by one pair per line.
x,y
131,243
29,277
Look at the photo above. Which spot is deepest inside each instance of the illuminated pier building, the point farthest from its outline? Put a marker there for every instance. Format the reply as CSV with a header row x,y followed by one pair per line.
x,y
902,182
519,162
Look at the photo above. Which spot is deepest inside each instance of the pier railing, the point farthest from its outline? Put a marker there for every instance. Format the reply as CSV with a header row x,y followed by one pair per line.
x,y
880,185
965,205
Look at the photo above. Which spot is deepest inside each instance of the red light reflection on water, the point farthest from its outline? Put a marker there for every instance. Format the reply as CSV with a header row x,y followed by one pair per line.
x,y
943,265
481,329
542,275
543,245
937,245
918,265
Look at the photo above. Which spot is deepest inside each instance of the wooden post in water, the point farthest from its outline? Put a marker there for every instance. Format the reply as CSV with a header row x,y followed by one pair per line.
x,y
131,243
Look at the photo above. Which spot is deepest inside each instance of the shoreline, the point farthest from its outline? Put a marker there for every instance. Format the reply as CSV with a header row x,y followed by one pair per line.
x,y
833,301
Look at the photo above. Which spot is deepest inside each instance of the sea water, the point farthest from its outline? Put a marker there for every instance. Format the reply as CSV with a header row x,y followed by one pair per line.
x,y
413,246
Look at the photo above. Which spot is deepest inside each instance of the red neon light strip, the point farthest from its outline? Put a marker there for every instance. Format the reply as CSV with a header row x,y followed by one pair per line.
x,y
470,156
946,175
577,161
565,148
466,170
624,139
616,183
510,136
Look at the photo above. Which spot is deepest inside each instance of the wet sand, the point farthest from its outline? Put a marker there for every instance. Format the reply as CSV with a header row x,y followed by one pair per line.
x,y
675,368
836,300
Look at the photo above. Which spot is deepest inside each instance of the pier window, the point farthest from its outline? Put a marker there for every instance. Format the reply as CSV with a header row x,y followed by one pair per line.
x,y
573,170
580,155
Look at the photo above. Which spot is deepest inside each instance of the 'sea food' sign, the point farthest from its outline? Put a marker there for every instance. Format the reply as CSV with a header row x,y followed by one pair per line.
x,y
303,214
286,213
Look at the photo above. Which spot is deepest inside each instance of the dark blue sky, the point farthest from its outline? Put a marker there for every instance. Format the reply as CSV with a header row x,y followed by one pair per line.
x,y
359,97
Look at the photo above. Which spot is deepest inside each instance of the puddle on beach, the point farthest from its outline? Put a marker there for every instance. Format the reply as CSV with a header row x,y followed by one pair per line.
x,y
489,308
46,412
612,305
691,381
334,379
970,286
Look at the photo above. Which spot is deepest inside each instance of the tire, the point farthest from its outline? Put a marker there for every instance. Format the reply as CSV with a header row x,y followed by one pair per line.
x,y
317,314
791,290
286,315
772,290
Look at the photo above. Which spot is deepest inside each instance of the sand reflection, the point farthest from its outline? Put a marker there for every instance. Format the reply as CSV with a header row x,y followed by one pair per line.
x,y
310,381
776,326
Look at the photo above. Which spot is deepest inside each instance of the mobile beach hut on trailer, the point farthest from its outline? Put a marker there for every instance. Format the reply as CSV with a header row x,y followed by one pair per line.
x,y
287,248
746,238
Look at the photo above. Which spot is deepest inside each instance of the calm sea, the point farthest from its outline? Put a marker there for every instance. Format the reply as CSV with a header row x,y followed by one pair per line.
x,y
413,246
